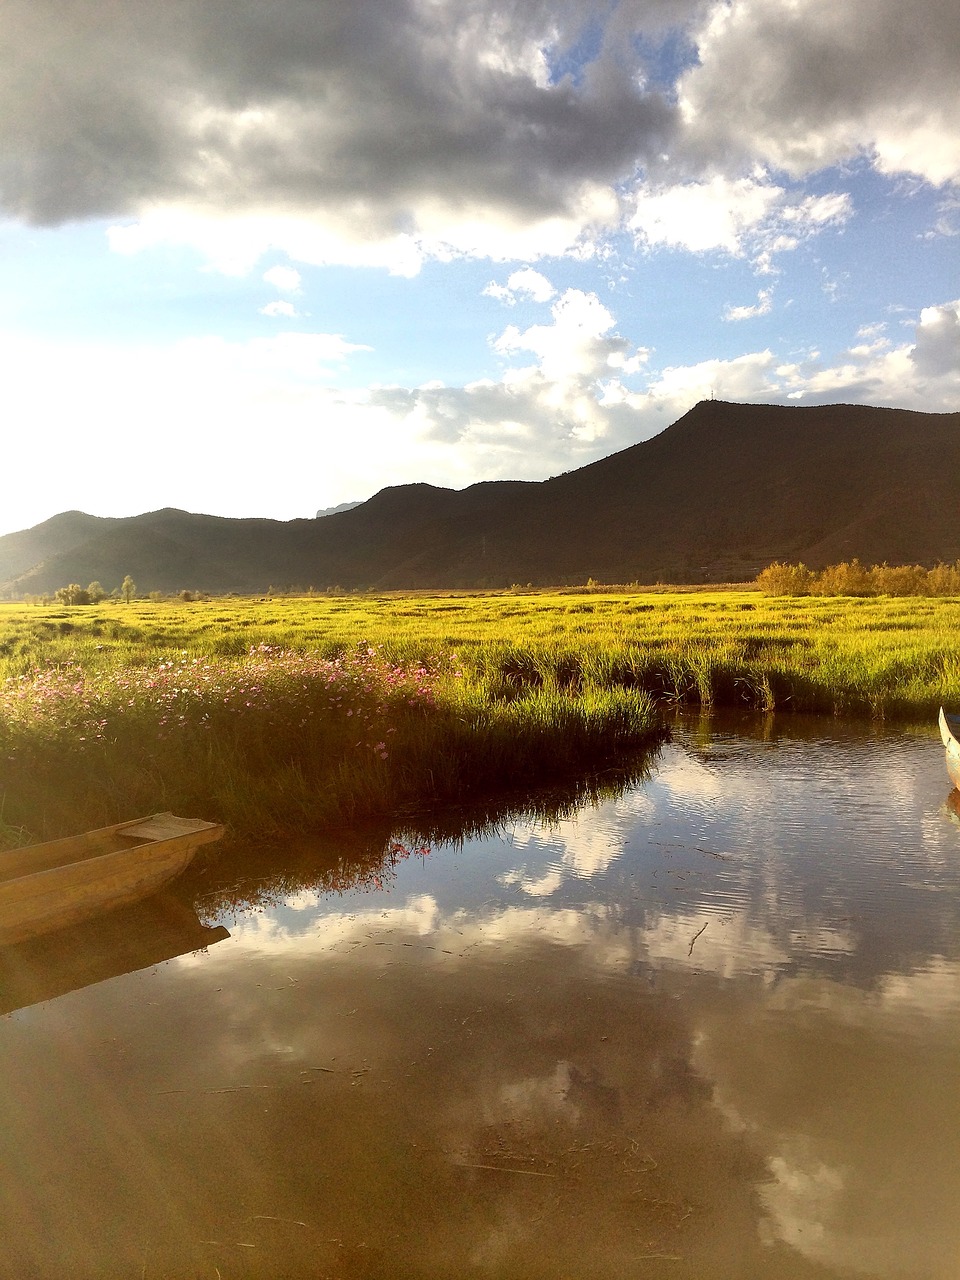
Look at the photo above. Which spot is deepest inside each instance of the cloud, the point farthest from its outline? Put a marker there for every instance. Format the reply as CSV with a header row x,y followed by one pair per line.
x,y
233,242
450,124
386,133
575,345
588,392
737,216
582,846
748,377
815,1038
920,374
936,352
762,307
703,215
303,434
580,399
948,218
286,279
550,409
279,308
525,283
802,85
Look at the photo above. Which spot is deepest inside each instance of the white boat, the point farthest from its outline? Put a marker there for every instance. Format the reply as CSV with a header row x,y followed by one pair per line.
x,y
950,733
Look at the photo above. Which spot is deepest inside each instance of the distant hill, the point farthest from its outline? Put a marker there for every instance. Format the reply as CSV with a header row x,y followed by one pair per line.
x,y
332,511
724,491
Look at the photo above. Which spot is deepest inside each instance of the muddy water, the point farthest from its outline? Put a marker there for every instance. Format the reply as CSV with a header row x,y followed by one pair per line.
x,y
709,1029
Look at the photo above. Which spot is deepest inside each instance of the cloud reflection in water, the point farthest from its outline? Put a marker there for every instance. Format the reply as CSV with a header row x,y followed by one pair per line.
x,y
710,1028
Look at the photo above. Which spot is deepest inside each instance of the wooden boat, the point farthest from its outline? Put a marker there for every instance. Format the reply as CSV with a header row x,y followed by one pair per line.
x,y
950,733
48,886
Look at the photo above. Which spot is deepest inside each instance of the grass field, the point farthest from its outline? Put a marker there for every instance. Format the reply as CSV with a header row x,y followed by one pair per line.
x,y
279,714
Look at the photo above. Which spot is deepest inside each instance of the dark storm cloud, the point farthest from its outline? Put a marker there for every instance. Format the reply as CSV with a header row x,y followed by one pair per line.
x,y
804,84
367,110
372,118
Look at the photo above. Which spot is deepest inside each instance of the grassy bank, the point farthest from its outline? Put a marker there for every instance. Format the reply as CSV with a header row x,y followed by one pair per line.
x,y
279,714
277,740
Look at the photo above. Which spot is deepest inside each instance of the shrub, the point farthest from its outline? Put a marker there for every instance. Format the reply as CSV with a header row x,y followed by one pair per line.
x,y
74,594
786,579
844,579
853,579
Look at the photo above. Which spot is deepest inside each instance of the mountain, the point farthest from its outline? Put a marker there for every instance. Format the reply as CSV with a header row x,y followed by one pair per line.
x,y
722,492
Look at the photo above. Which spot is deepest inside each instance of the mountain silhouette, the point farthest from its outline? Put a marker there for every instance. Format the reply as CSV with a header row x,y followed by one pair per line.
x,y
724,491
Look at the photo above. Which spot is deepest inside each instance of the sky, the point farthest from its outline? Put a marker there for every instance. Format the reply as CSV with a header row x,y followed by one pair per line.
x,y
262,257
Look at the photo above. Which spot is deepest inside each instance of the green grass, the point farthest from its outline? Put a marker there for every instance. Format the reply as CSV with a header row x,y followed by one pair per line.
x,y
110,710
274,740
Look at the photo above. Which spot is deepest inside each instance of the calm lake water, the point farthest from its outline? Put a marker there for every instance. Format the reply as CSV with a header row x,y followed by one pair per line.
x,y
710,1028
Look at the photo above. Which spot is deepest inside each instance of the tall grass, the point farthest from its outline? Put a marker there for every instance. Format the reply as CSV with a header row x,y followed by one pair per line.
x,y
277,740
863,655
276,715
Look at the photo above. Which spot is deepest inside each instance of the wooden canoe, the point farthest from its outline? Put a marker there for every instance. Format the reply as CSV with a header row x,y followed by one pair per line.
x,y
950,733
48,886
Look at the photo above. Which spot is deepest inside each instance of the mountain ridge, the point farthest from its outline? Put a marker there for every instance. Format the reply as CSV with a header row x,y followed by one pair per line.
x,y
717,495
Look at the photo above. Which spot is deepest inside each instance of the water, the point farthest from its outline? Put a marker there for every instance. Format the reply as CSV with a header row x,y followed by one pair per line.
x,y
708,1029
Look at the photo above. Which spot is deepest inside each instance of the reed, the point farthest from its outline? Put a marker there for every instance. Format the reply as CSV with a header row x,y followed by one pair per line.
x,y
277,740
229,708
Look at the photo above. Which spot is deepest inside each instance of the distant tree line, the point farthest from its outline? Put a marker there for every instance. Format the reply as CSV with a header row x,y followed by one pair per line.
x,y
94,593
75,594
851,578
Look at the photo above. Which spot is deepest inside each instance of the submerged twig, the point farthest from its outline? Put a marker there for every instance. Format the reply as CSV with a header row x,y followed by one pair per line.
x,y
269,1217
694,938
712,853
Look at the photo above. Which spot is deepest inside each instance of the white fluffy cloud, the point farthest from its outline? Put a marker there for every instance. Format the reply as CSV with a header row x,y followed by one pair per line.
x,y
279,308
762,307
575,345
564,404
920,374
525,283
286,279
588,393
572,389
738,216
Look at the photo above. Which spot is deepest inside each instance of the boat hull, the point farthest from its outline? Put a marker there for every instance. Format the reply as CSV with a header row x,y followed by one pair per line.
x,y
949,729
65,882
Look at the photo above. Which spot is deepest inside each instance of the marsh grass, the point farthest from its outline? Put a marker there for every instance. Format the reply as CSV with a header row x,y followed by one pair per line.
x,y
277,740
229,708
